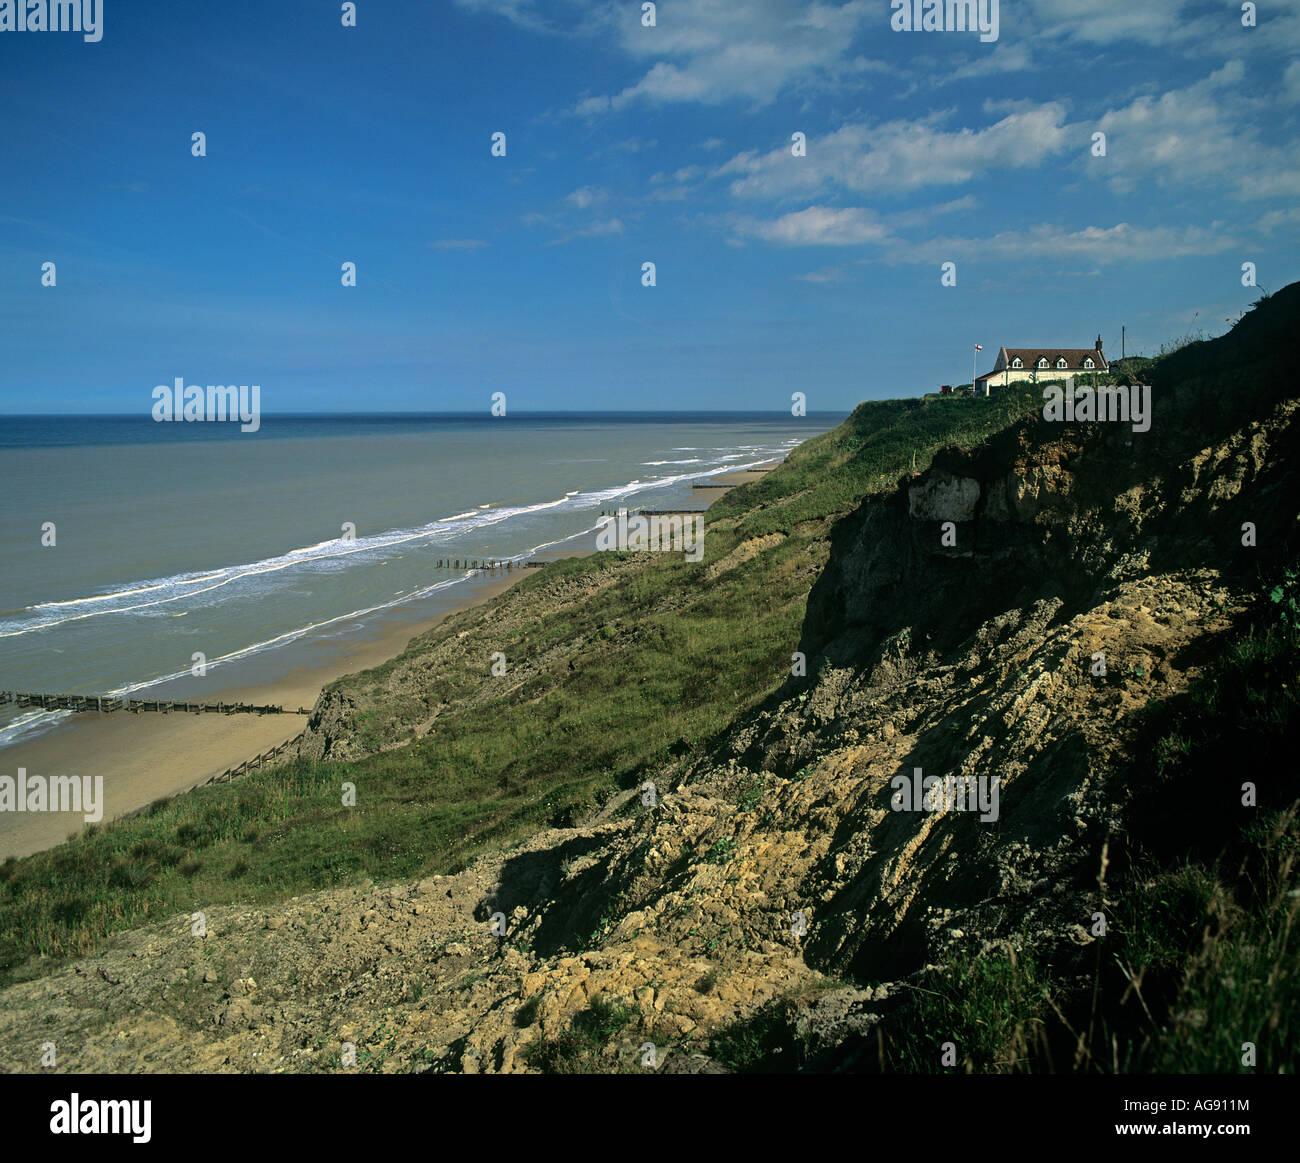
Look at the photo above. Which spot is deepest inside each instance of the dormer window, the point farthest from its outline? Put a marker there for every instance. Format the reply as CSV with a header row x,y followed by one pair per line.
x,y
1016,362
1061,362
1042,361
1088,362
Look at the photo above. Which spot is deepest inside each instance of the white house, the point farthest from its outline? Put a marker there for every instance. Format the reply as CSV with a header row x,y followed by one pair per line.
x,y
1032,364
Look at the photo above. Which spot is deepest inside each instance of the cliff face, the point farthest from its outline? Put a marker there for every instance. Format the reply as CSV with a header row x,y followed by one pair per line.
x,y
976,654
1046,512
981,659
1094,573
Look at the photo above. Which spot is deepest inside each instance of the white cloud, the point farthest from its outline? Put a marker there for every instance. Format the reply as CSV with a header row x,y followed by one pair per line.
x,y
1203,135
1005,58
901,155
1101,245
824,275
923,214
529,14
585,196
1291,82
1108,21
597,229
711,51
1190,28
602,229
1119,243
815,226
1278,218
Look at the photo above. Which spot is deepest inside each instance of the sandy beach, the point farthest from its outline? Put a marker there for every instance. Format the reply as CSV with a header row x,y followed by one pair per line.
x,y
149,756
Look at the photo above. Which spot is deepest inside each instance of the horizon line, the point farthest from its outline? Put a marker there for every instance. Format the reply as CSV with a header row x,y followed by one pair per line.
x,y
146,415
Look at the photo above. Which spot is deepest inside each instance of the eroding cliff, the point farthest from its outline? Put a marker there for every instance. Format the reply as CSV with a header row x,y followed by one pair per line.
x,y
1012,614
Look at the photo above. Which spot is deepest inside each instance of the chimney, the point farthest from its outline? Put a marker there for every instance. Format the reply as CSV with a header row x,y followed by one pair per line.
x,y
1099,341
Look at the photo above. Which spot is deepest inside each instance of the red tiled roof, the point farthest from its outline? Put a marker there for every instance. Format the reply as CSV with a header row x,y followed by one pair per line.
x,y
1074,356
1029,357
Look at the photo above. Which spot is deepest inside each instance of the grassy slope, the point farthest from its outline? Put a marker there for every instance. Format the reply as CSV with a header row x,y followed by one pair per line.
x,y
661,655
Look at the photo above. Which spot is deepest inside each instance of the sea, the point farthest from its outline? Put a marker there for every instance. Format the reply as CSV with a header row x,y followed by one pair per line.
x,y
130,551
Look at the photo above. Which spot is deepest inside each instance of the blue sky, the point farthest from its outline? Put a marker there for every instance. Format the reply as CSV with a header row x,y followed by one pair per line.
x,y
626,144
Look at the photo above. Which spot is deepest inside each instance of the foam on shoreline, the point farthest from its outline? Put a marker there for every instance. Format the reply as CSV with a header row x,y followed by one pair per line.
x,y
151,756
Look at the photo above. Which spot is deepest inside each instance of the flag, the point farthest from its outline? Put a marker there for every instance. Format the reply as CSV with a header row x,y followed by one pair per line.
x,y
978,347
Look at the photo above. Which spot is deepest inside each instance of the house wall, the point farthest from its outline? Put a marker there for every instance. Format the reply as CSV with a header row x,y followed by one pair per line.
x,y
1018,375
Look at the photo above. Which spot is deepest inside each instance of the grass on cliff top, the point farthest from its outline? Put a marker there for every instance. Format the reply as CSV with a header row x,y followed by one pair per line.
x,y
662,656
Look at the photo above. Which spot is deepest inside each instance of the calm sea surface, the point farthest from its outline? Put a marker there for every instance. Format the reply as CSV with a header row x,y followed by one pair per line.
x,y
173,539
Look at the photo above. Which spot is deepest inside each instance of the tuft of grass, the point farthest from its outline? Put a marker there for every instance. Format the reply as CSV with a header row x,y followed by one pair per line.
x,y
583,1048
708,983
764,1042
1233,959
721,851
985,1011
750,794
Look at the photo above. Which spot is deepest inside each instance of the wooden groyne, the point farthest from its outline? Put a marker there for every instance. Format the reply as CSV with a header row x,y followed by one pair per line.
x,y
230,773
669,512
481,565
258,761
107,704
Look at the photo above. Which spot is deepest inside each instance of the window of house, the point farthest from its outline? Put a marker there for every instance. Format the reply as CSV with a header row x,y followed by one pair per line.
x,y
1088,362
1016,362
1042,362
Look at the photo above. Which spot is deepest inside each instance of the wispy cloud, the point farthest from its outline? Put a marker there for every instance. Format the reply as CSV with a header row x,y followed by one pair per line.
x,y
1110,21
586,196
902,155
1111,244
711,51
1291,82
1002,59
824,275
601,229
815,226
1204,134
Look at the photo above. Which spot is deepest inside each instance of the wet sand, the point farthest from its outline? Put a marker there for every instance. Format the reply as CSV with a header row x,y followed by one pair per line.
x,y
148,756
